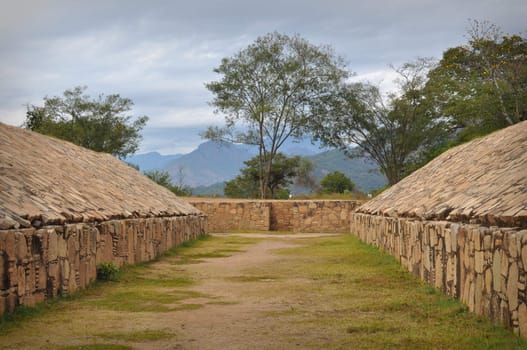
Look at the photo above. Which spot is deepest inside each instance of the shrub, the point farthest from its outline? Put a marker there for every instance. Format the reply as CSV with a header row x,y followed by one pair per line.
x,y
107,271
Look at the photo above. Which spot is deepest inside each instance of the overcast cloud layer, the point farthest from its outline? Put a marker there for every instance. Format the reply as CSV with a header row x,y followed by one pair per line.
x,y
160,53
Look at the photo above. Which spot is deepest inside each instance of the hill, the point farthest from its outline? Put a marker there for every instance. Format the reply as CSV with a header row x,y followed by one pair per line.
x,y
210,163
151,161
363,172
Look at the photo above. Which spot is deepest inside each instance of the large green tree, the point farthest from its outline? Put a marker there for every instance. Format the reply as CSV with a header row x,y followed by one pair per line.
x,y
390,130
336,182
284,171
101,124
267,92
482,86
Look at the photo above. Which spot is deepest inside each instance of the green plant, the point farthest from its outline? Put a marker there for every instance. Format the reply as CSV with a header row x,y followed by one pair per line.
x,y
107,271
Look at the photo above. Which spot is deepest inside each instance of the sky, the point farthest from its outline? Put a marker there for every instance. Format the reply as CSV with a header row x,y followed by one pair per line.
x,y
160,53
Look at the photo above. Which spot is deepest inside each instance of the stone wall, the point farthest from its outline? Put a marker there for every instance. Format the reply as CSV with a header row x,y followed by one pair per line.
x,y
282,215
226,215
36,264
485,267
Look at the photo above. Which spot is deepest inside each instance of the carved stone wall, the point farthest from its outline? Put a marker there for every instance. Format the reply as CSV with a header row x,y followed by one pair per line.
x,y
36,264
485,267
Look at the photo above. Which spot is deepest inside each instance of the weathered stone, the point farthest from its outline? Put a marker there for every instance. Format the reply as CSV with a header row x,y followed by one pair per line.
x,y
524,257
21,246
7,223
52,246
512,287
479,261
496,270
522,320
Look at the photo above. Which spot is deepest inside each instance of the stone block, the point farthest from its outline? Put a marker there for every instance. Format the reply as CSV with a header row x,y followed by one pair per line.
x,y
522,320
52,246
496,270
21,280
479,262
20,246
512,287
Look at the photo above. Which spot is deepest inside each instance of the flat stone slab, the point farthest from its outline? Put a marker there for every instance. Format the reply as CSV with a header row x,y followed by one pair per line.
x,y
45,181
483,181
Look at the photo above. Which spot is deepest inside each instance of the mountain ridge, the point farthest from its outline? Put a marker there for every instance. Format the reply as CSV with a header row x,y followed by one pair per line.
x,y
211,164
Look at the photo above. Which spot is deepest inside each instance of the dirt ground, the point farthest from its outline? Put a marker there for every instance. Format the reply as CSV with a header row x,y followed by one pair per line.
x,y
244,316
260,291
235,310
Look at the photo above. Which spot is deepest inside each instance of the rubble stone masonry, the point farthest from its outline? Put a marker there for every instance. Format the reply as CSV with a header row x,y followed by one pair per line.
x,y
39,263
484,267
276,215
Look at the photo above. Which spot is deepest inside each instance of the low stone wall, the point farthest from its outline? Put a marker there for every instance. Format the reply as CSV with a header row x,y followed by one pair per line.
x,y
36,264
276,215
485,267
234,215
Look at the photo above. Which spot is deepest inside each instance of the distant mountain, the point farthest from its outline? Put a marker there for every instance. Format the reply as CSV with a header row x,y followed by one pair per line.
x,y
362,171
151,161
210,163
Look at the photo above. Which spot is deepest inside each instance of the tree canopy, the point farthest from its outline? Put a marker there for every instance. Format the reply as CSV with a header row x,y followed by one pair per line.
x,y
267,92
284,171
101,124
481,86
389,132
336,182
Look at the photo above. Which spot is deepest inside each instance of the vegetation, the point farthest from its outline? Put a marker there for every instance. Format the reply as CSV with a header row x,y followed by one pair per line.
x,y
389,133
164,179
100,124
336,182
267,94
481,86
107,271
284,171
339,293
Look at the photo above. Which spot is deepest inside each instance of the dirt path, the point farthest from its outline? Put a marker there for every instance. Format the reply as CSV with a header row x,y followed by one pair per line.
x,y
232,304
245,315
259,291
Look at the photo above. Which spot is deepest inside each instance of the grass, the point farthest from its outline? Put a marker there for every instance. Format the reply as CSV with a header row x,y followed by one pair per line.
x,y
367,296
331,292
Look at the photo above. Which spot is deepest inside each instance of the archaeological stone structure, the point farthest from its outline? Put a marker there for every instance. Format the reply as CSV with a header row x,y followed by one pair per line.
x,y
276,215
65,209
460,224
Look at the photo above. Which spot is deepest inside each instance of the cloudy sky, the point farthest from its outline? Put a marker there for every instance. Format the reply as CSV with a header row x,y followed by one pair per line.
x,y
161,53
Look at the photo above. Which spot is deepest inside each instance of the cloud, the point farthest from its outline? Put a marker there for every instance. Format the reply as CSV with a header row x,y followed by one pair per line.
x,y
160,54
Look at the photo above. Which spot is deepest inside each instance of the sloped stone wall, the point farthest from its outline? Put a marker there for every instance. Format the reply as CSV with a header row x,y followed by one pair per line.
x,y
485,267
276,215
36,264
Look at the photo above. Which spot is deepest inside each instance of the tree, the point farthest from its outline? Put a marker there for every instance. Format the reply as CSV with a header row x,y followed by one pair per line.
x,y
163,178
336,182
284,170
390,133
268,91
159,177
482,86
100,124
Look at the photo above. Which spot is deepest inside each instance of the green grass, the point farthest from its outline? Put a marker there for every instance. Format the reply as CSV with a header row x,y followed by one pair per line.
x,y
366,295
331,292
